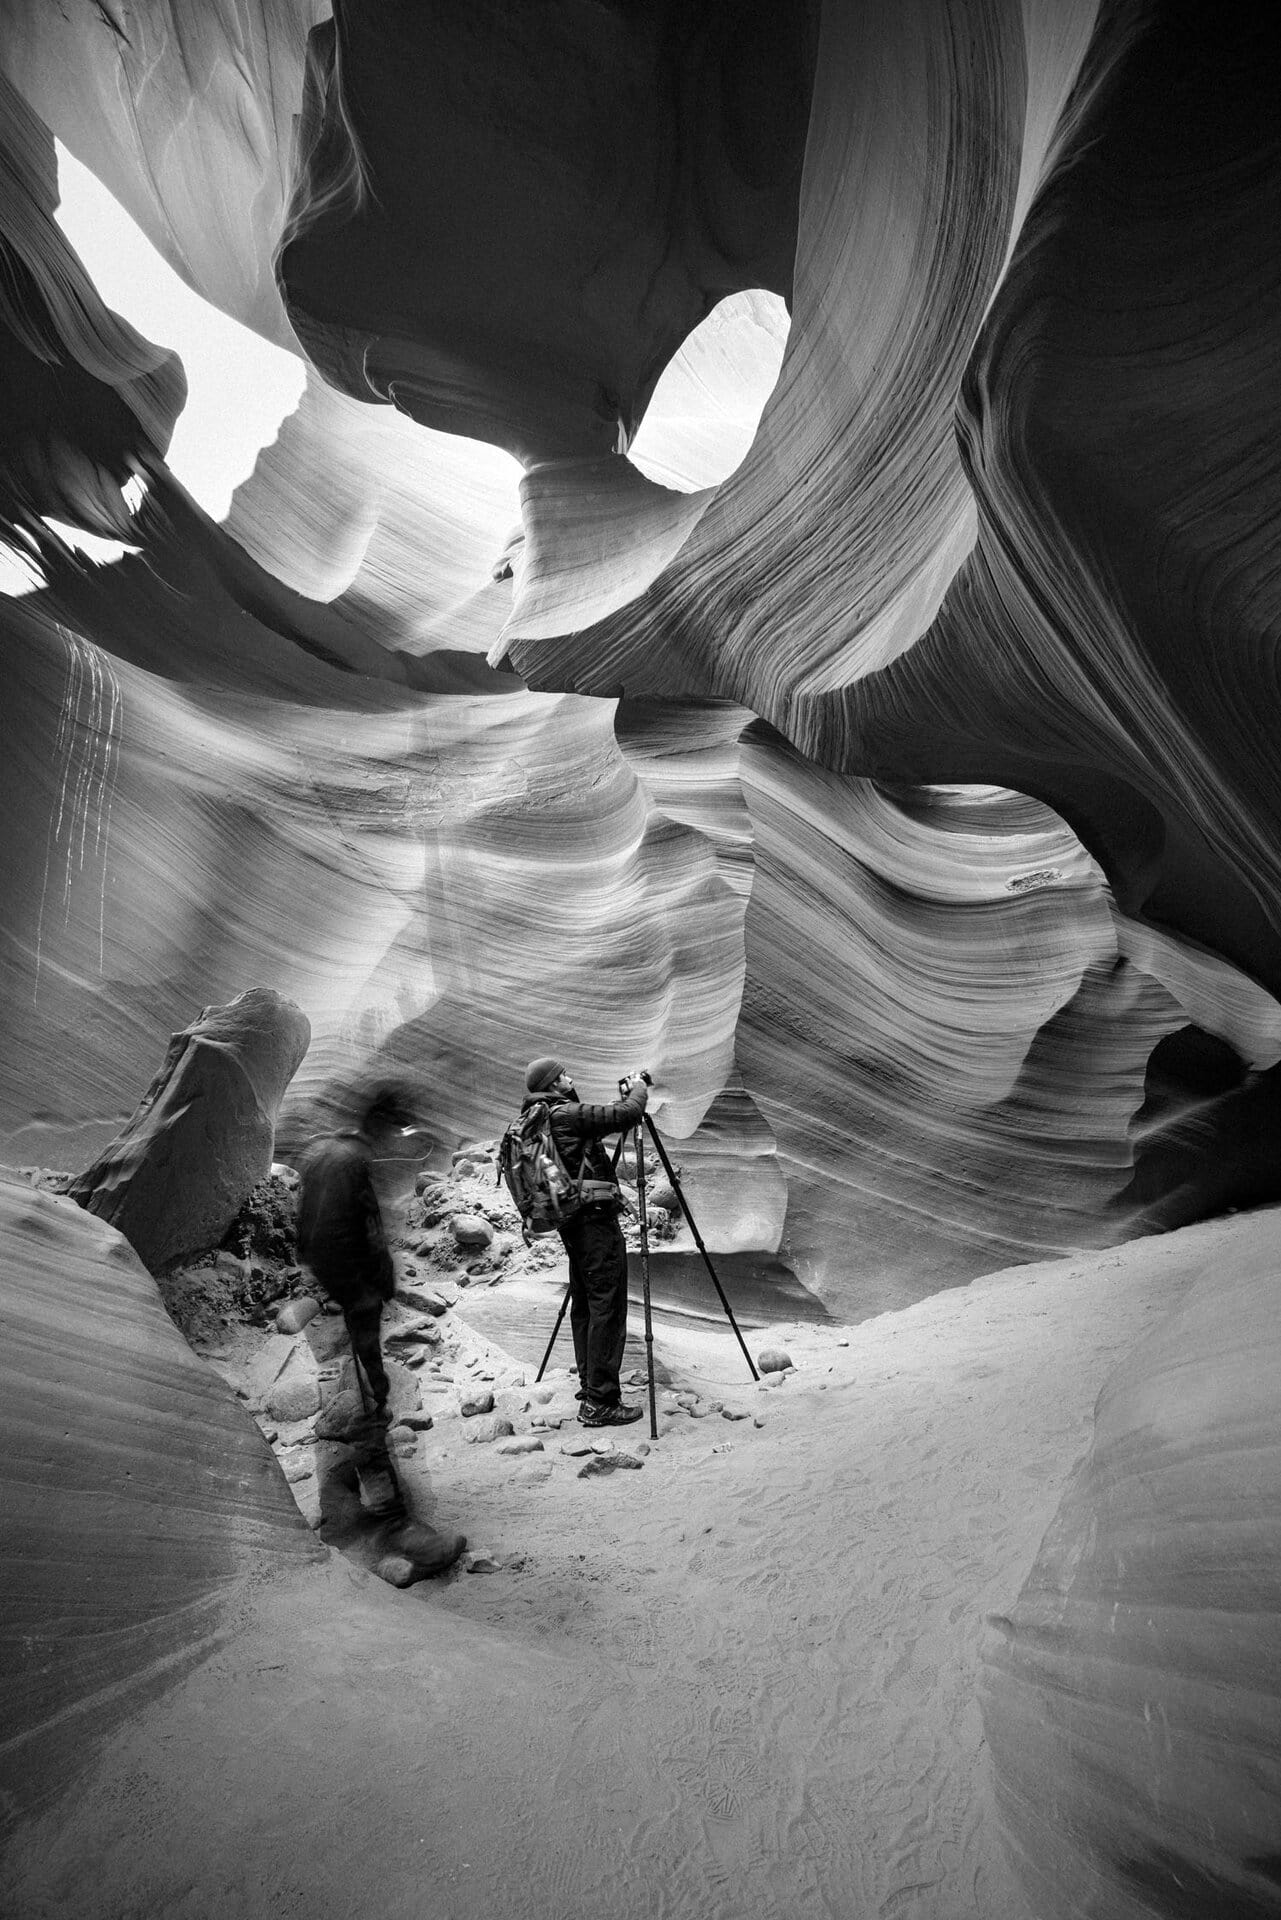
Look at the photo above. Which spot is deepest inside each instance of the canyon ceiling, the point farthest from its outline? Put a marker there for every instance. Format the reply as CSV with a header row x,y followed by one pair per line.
x,y
895,774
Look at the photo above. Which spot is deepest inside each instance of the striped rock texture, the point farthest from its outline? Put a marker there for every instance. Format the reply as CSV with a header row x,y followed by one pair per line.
x,y
1132,1700
140,1499
842,675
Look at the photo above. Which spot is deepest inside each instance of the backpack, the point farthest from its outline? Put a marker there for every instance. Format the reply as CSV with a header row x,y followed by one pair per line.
x,y
529,1162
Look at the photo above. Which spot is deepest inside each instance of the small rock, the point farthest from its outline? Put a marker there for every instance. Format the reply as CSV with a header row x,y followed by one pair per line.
x,y
344,1417
295,1314
425,1299
842,1343
543,1395
470,1230
479,1400
418,1422
525,1443
602,1463
326,1337
397,1570
492,1427
575,1448
480,1562
773,1360
758,1419
296,1467
663,1196
733,1413
293,1400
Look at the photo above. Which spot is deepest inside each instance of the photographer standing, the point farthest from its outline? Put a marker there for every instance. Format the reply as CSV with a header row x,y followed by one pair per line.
x,y
593,1238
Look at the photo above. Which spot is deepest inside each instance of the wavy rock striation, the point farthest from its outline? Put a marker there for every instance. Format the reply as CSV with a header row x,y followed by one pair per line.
x,y
898,777
139,1498
1132,1701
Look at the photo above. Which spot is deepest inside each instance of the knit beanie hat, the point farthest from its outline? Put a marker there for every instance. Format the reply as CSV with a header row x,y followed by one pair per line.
x,y
540,1073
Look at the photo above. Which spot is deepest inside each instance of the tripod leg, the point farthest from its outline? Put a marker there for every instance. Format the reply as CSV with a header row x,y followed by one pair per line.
x,y
649,1322
552,1342
707,1258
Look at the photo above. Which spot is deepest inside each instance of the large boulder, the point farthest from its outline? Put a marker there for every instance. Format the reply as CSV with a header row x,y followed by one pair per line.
x,y
175,1177
1132,1699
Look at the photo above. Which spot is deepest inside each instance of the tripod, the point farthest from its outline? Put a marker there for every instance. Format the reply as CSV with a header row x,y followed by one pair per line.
x,y
670,1171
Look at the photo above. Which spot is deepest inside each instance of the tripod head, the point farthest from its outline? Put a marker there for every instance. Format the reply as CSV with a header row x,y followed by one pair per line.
x,y
638,1073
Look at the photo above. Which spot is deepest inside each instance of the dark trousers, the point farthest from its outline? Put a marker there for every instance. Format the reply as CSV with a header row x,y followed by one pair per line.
x,y
364,1319
597,1300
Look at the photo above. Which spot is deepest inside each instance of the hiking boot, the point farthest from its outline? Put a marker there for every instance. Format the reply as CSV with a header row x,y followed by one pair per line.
x,y
593,1414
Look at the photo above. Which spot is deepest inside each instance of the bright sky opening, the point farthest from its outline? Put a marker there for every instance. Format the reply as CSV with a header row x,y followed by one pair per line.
x,y
215,443
218,437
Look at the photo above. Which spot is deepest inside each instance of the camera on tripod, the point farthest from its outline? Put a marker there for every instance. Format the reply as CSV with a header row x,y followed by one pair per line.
x,y
637,1073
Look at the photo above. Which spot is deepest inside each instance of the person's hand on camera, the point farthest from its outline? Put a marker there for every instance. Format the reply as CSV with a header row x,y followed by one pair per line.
x,y
637,1075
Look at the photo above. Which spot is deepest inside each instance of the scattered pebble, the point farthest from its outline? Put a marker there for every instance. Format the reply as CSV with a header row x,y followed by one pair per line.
x,y
773,1360
426,1299
733,1413
396,1570
293,1399
343,1418
295,1314
524,1443
610,1462
575,1448
492,1427
478,1401
471,1230
420,1422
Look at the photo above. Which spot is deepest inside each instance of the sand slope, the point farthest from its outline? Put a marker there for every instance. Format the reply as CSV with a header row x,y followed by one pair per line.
x,y
738,1682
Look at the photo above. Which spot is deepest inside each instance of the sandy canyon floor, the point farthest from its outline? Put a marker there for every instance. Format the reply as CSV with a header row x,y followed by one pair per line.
x,y
740,1681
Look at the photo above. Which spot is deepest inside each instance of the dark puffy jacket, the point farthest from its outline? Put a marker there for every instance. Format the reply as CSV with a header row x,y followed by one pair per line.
x,y
578,1128
340,1226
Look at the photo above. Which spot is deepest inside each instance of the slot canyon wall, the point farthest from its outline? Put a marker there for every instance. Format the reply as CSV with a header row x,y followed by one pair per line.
x,y
896,774
914,782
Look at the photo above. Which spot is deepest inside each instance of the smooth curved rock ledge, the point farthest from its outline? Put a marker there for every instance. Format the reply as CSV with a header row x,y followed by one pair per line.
x,y
1132,1700
139,1497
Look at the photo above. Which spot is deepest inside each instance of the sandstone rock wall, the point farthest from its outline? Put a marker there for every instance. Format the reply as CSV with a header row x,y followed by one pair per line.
x,y
941,999
202,1135
138,1495
1132,1700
